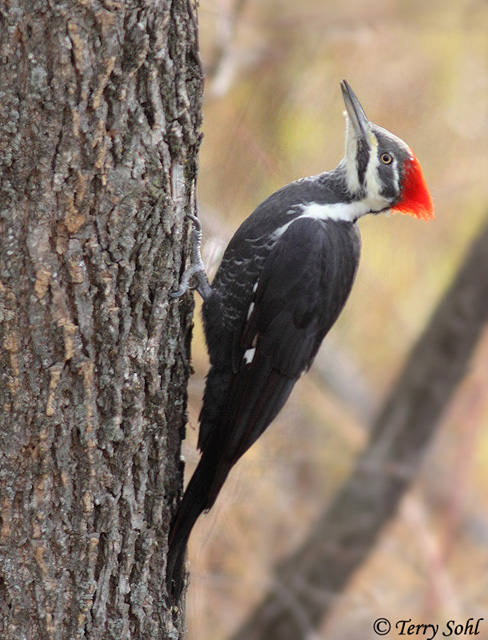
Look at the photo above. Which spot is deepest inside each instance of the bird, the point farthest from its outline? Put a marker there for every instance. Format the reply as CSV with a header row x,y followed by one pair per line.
x,y
284,279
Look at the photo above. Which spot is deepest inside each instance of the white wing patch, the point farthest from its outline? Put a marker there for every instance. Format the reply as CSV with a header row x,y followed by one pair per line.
x,y
249,355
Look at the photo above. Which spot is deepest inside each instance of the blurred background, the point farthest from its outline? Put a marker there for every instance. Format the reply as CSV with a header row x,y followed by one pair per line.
x,y
273,113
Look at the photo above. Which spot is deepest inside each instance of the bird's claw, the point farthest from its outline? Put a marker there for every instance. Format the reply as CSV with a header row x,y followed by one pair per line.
x,y
196,269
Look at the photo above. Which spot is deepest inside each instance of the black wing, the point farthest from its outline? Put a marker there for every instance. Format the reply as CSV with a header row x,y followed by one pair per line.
x,y
303,287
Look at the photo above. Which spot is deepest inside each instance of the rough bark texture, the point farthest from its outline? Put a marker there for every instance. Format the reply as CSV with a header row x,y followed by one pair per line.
x,y
100,106
306,584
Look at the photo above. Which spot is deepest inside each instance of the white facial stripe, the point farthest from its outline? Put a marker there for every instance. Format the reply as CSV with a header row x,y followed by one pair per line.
x,y
372,178
373,183
395,171
352,177
399,143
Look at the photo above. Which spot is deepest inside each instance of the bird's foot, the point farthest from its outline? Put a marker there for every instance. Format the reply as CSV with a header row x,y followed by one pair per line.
x,y
196,270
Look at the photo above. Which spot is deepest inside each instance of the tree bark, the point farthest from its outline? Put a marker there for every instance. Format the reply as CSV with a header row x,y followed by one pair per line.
x,y
307,583
100,108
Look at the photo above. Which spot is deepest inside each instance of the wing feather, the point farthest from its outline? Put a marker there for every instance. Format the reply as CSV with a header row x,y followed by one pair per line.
x,y
301,290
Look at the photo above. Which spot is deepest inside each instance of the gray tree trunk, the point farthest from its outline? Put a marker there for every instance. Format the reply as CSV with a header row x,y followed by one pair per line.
x,y
307,583
100,106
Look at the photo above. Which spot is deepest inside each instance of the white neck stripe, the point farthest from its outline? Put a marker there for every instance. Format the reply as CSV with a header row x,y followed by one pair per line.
x,y
340,211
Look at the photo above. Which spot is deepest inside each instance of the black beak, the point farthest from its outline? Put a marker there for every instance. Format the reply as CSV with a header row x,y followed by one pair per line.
x,y
358,118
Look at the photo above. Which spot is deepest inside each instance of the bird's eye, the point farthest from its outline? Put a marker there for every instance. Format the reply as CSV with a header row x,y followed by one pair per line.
x,y
386,158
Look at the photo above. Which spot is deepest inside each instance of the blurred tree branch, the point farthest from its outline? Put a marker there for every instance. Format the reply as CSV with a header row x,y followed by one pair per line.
x,y
222,71
307,583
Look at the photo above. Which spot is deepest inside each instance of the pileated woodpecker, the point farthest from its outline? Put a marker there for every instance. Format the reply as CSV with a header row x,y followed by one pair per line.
x,y
284,279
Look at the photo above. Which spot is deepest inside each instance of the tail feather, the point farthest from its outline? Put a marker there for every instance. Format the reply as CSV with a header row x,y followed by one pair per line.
x,y
200,495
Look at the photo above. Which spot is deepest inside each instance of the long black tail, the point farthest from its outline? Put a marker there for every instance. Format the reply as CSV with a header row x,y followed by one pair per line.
x,y
200,495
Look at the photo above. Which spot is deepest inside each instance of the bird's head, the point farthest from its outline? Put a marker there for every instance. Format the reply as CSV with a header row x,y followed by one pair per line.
x,y
381,170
